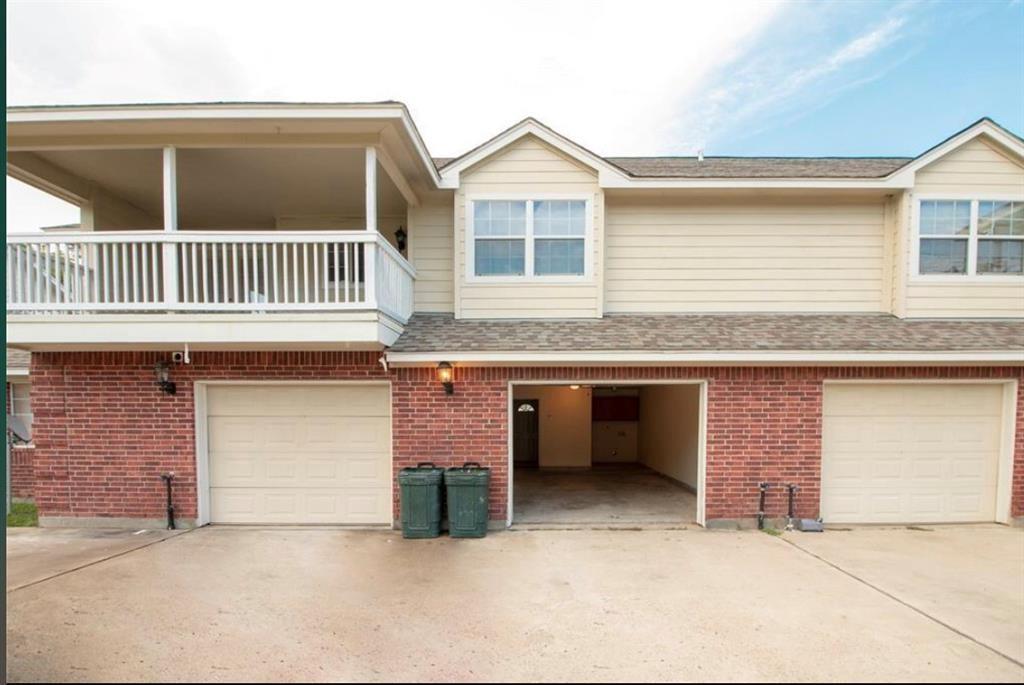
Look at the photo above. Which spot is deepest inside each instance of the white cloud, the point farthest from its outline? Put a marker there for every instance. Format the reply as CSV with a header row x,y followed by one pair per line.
x,y
642,77
610,74
777,83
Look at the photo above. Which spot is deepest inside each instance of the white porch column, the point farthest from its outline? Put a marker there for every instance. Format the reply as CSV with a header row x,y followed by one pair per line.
x,y
370,249
371,189
170,251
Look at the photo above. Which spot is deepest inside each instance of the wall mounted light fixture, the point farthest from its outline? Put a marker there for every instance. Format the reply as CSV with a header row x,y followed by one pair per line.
x,y
400,238
162,371
446,376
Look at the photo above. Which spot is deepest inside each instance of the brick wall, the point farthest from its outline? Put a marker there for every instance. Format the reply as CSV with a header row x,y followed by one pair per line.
x,y
104,432
763,424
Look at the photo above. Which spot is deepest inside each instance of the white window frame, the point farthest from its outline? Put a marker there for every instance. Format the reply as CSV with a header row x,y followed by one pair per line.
x,y
971,275
11,385
528,267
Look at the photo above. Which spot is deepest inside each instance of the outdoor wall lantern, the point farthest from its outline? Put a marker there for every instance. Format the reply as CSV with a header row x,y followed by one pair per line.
x,y
446,375
162,370
400,238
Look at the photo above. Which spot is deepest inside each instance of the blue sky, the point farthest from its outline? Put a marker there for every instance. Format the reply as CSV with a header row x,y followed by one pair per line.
x,y
622,77
935,68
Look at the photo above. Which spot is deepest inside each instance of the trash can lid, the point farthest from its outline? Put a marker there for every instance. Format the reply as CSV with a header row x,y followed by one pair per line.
x,y
469,467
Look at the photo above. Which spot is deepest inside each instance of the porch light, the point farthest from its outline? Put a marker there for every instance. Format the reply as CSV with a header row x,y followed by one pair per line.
x,y
400,238
574,387
446,375
162,370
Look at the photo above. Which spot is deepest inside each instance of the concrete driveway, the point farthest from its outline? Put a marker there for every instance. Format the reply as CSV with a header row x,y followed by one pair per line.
x,y
237,604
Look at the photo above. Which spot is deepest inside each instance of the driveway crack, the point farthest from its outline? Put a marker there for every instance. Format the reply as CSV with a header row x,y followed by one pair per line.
x,y
98,561
903,602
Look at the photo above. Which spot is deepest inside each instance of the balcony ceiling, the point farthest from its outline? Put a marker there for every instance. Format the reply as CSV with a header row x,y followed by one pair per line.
x,y
227,188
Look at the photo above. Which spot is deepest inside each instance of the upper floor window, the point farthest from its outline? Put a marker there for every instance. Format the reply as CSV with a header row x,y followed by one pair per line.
x,y
970,237
529,238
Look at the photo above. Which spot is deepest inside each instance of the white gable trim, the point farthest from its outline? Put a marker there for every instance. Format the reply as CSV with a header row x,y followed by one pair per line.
x,y
605,170
984,127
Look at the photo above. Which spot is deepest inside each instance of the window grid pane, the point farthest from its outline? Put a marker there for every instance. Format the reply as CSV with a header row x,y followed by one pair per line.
x,y
943,256
500,257
1000,256
558,257
559,218
945,217
1001,218
499,218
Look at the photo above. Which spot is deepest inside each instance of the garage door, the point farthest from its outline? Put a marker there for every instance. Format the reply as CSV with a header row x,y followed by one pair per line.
x,y
299,454
910,453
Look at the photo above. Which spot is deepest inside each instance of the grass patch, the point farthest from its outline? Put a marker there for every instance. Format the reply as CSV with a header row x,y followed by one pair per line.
x,y
774,532
23,515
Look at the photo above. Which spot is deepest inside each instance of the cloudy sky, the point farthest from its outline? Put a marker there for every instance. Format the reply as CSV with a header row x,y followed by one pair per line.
x,y
747,77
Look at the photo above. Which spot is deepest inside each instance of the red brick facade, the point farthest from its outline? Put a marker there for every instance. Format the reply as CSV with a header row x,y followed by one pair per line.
x,y
104,432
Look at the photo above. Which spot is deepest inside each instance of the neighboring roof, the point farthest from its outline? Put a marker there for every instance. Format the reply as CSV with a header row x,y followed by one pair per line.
x,y
18,360
663,333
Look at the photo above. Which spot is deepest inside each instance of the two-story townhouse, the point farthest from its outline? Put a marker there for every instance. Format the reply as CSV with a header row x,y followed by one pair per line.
x,y
285,304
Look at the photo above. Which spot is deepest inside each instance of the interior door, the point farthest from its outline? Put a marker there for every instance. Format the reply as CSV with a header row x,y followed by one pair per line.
x,y
525,433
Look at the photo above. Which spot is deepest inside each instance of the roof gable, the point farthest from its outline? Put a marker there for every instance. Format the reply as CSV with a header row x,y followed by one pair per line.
x,y
527,127
991,133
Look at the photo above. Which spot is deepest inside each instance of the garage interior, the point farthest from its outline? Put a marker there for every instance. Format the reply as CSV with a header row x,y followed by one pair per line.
x,y
605,455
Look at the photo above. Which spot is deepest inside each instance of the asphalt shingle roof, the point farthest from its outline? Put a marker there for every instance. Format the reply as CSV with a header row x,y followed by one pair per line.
x,y
750,167
711,333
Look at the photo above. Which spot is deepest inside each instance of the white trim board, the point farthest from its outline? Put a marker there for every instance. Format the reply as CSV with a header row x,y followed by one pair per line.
x,y
701,517
628,358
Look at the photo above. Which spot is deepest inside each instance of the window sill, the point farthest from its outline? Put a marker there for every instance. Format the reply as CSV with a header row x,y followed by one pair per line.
x,y
529,280
967,279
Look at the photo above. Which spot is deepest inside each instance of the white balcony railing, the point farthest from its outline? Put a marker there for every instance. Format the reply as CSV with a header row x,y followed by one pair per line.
x,y
201,271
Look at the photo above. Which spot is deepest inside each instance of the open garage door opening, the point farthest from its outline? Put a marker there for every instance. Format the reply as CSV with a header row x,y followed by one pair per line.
x,y
606,455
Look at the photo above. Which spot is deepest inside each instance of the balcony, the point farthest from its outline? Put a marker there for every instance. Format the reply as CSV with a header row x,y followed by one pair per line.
x,y
344,285
219,228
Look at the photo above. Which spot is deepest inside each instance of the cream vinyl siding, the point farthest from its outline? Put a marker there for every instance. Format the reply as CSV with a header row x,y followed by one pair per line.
x,y
995,300
528,169
431,249
744,255
974,167
911,453
976,170
299,454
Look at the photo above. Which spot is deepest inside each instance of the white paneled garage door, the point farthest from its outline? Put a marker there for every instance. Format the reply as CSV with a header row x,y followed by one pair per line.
x,y
299,454
910,453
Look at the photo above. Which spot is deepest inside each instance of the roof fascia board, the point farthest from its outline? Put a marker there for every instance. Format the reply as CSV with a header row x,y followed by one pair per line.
x,y
738,357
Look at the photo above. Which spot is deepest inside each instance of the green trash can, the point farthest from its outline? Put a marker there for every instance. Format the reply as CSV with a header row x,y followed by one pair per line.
x,y
420,489
468,494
